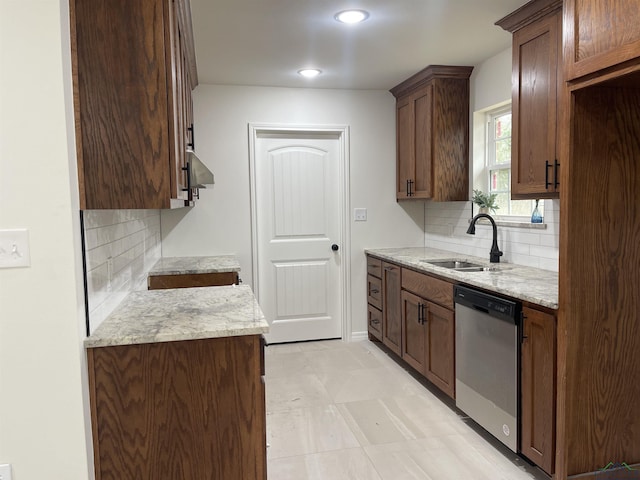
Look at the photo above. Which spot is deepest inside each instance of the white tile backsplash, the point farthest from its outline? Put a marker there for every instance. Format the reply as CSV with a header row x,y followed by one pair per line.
x,y
446,226
121,247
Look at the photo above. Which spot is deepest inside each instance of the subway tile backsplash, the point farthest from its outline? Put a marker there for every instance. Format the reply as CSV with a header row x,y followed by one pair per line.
x,y
121,247
446,226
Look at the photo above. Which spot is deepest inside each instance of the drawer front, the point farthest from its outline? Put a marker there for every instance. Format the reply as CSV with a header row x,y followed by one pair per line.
x,y
374,267
428,287
374,291
374,321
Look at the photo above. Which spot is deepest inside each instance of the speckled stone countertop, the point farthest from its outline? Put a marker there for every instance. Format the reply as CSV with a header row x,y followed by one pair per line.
x,y
152,316
191,265
525,283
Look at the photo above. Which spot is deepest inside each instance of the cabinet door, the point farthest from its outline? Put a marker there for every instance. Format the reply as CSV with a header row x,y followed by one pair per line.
x,y
197,396
391,308
599,34
414,155
178,96
423,142
405,161
440,352
538,388
413,331
534,157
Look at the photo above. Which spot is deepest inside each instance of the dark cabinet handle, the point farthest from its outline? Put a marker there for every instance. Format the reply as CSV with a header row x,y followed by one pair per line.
x,y
187,169
374,290
523,337
547,165
389,269
192,144
375,321
556,182
409,188
422,313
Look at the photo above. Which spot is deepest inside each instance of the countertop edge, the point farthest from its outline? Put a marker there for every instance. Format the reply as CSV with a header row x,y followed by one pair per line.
x,y
144,339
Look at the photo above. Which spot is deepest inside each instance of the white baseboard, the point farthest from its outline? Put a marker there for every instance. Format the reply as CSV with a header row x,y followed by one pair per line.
x,y
358,336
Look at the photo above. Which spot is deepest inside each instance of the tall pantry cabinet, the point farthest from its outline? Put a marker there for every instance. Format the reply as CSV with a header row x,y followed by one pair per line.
x,y
598,341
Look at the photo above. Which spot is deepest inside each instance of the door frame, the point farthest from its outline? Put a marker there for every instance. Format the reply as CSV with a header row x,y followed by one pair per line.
x,y
342,134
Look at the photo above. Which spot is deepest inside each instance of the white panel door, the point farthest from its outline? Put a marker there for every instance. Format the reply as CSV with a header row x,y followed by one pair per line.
x,y
298,222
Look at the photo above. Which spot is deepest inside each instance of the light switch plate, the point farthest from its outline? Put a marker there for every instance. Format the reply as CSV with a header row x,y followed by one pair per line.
x,y
5,472
360,214
14,248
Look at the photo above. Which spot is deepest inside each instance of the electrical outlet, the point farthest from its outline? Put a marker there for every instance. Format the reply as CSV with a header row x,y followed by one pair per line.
x,y
14,248
5,472
360,214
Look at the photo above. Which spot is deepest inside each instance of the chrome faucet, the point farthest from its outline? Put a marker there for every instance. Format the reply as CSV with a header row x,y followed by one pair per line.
x,y
495,254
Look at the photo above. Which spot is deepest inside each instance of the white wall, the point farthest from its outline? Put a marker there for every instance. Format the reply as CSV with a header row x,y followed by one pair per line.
x,y
42,413
221,223
446,223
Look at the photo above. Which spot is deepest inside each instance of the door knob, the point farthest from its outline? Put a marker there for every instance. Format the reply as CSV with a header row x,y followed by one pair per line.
x,y
335,247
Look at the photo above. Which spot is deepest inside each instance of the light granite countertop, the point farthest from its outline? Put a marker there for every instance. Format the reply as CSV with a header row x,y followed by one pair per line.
x,y
524,283
194,265
152,316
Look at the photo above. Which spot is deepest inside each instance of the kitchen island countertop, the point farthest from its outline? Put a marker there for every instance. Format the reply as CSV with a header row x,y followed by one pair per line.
x,y
153,316
195,265
529,284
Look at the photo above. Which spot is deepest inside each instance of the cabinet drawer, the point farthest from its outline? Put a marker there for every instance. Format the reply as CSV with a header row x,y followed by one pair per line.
x,y
374,267
374,291
374,321
427,287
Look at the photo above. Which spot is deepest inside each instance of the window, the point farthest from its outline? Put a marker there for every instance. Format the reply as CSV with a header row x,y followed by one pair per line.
x,y
498,165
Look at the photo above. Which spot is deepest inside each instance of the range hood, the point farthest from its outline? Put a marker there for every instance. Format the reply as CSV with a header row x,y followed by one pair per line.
x,y
199,175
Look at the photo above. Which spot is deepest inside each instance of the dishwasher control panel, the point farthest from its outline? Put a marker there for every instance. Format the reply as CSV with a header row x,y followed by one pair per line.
x,y
487,303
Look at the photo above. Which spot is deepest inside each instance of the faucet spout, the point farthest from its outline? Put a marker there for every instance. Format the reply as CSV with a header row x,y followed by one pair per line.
x,y
495,253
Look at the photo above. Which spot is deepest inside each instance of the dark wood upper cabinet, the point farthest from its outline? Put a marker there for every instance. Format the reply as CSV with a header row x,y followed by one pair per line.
x,y
599,34
133,73
536,86
432,126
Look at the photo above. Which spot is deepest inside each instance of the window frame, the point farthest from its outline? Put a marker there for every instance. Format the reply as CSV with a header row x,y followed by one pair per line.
x,y
490,163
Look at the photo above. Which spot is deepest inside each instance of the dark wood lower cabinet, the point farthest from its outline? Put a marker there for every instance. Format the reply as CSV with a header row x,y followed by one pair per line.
x,y
191,410
428,341
157,282
374,322
414,334
538,386
391,308
417,322
440,351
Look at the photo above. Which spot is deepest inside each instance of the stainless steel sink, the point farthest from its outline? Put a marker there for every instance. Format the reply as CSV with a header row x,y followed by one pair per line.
x,y
460,265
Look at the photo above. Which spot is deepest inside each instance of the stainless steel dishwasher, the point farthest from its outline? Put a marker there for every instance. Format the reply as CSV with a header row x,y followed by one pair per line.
x,y
487,362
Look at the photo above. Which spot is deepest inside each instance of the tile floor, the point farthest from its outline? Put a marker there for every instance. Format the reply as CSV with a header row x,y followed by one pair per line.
x,y
348,411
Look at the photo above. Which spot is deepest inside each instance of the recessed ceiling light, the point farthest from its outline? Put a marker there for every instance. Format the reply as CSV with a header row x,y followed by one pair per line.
x,y
351,16
309,72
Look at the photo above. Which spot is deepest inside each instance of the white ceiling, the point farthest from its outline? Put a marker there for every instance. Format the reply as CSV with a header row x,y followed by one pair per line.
x,y
265,42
